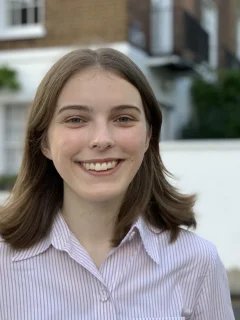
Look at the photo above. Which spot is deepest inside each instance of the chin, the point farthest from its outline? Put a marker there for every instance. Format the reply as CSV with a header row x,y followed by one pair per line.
x,y
103,196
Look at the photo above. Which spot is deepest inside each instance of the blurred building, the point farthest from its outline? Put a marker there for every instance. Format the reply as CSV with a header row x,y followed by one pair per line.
x,y
182,38
170,40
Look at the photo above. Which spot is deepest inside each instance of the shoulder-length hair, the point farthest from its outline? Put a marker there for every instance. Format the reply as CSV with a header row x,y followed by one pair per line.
x,y
37,195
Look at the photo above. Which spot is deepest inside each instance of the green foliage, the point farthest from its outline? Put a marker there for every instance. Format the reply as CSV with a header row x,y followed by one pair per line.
x,y
8,79
7,182
216,108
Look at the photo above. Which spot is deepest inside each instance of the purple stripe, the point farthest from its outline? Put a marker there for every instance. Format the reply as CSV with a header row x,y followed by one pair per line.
x,y
144,278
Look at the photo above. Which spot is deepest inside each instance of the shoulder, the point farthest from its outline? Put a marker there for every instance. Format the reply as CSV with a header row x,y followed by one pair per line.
x,y
190,251
6,253
193,244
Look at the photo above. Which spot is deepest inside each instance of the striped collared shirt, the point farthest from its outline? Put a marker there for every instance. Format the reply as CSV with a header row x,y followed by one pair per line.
x,y
145,277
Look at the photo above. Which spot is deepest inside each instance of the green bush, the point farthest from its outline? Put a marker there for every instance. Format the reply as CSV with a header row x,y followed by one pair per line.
x,y
8,78
7,182
216,108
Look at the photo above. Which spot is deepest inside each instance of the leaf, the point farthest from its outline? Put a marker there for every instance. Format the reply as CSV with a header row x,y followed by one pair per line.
x,y
8,79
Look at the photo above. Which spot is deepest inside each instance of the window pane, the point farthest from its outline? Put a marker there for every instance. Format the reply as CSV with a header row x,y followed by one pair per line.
x,y
24,16
14,17
15,117
23,12
26,3
14,12
13,160
36,15
15,122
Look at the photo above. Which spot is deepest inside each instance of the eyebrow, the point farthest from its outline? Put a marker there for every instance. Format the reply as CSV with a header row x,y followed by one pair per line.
x,y
90,109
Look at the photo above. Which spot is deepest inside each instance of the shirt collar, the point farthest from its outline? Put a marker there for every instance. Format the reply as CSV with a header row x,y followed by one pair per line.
x,y
58,237
61,238
154,240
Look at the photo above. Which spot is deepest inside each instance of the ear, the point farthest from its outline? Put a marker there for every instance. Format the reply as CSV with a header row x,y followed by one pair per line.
x,y
148,138
45,148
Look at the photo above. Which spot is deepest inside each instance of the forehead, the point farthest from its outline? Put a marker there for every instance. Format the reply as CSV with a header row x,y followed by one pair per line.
x,y
96,85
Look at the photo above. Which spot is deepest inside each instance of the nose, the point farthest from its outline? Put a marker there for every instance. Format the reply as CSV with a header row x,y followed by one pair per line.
x,y
101,137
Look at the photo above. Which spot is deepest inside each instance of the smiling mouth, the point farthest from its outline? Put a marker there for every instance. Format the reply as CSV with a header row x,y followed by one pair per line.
x,y
100,166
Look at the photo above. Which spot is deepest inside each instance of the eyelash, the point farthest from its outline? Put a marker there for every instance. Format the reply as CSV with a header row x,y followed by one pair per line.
x,y
72,120
123,118
78,121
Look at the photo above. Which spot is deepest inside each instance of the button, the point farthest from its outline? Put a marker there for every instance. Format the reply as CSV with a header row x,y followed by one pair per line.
x,y
132,234
186,313
154,229
104,295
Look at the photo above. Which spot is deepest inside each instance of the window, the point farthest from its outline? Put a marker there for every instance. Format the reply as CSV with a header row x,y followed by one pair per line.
x,y
162,19
24,12
238,38
14,129
21,19
210,24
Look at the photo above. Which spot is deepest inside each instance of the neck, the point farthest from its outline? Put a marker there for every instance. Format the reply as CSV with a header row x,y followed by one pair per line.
x,y
92,223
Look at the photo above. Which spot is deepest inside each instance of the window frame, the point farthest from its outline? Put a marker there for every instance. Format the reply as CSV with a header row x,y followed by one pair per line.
x,y
26,31
238,38
209,10
9,144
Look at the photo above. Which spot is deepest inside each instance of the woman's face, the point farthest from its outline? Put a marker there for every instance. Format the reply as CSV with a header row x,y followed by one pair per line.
x,y
98,135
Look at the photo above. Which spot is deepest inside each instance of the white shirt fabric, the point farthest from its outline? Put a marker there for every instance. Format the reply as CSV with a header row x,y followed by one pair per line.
x,y
145,277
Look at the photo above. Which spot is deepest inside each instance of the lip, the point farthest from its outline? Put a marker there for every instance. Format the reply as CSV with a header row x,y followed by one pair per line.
x,y
101,173
100,160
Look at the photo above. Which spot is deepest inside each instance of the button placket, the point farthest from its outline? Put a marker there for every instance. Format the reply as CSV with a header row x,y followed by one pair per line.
x,y
125,261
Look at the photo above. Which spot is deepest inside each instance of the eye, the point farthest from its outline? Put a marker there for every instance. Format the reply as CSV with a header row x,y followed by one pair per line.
x,y
75,121
124,119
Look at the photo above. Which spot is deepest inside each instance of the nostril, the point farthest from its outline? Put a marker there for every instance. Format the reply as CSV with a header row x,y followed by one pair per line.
x,y
101,145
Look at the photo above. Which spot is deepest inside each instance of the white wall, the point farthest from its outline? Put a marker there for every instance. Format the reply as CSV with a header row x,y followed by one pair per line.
x,y
32,64
3,196
212,170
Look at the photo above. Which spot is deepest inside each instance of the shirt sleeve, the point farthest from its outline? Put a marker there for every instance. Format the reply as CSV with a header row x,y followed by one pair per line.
x,y
214,302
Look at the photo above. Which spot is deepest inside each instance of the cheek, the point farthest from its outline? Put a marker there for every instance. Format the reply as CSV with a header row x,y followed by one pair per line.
x,y
67,144
135,142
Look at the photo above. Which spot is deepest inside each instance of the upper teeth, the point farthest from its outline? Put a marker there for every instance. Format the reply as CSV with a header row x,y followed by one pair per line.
x,y
97,166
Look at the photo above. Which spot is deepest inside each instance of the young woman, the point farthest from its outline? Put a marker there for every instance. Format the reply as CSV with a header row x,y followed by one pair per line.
x,y
93,229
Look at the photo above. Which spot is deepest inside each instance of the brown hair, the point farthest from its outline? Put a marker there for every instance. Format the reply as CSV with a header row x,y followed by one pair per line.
x,y
38,192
